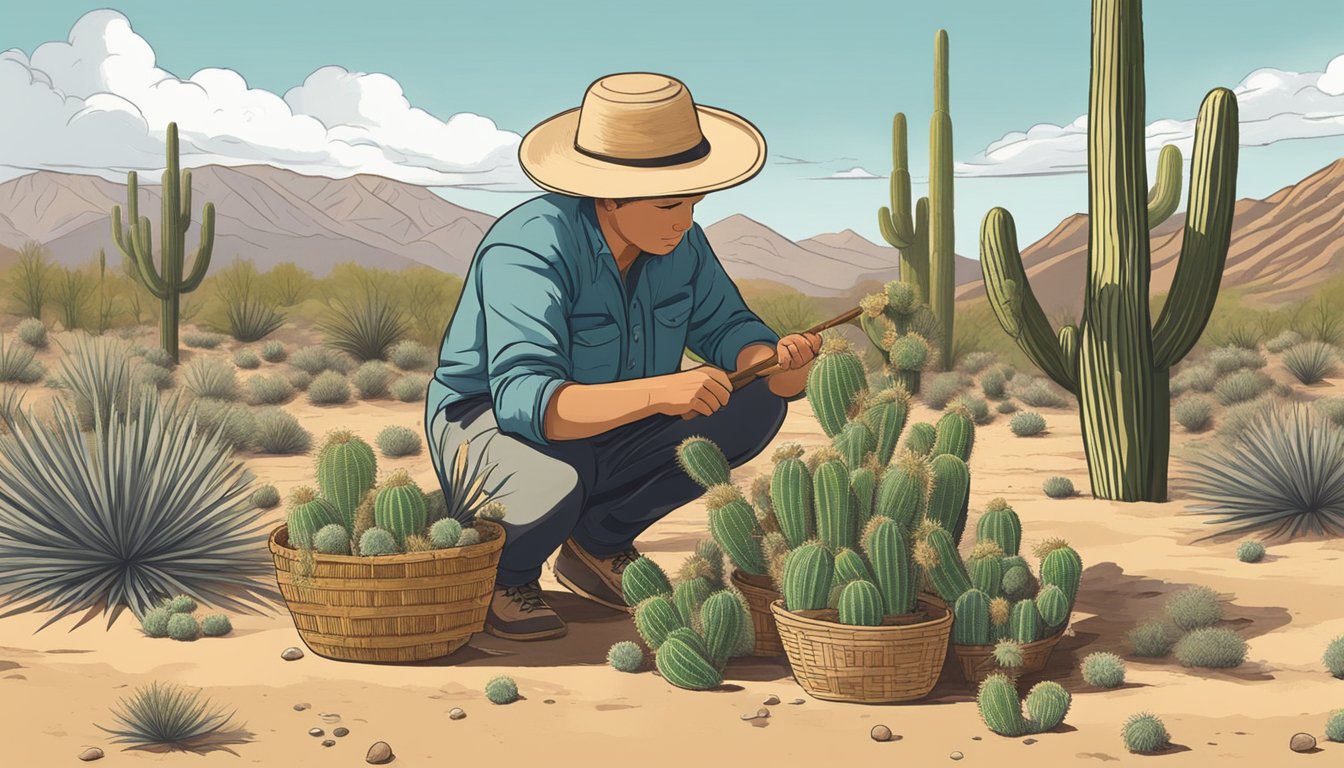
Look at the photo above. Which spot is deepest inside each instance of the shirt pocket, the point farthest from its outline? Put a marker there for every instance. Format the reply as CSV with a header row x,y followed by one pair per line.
x,y
671,323
595,351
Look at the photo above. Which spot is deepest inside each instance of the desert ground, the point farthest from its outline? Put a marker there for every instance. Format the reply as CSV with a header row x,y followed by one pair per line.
x,y
57,684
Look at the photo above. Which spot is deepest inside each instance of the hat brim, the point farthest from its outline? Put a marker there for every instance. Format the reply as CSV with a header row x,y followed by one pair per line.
x,y
548,157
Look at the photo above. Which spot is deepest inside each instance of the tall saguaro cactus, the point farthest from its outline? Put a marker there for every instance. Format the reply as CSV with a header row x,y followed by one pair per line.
x,y
926,238
166,283
1117,361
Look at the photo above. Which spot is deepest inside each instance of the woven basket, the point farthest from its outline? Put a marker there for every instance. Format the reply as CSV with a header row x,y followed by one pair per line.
x,y
897,661
760,593
410,607
977,661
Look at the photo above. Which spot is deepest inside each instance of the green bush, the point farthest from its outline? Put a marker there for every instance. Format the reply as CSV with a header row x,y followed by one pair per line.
x,y
1250,552
216,625
411,355
1212,647
625,656
1225,360
1193,412
165,715
269,390
300,380
183,626
329,388
273,352
1027,424
248,314
365,328
410,388
1152,639
32,332
501,690
156,356
938,390
1058,487
277,432
265,497
212,378
1104,670
316,359
233,422
155,622
396,441
1238,418
1193,378
246,359
372,379
203,340
976,362
1194,607
1006,407
1144,733
1284,340
1036,392
1242,386
993,382
153,376
1311,361
1334,657
18,364
1334,726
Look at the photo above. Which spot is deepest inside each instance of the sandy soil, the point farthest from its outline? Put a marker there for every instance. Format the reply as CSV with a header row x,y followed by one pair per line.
x,y
57,684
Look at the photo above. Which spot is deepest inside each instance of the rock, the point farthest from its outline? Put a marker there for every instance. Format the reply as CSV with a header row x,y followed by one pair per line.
x,y
956,755
798,701
456,714
92,753
771,701
379,753
880,733
301,707
339,732
328,742
760,714
1302,742
330,718
291,654
548,701
316,732
975,738
1028,741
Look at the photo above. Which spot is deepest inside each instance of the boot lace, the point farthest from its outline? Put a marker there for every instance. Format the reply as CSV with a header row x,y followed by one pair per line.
x,y
622,559
527,596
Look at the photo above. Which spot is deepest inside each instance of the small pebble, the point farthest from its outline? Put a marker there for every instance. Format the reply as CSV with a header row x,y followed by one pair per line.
x,y
330,718
956,755
1302,742
328,742
759,714
92,753
1028,741
771,701
880,733
456,714
379,753
339,732
291,654
975,738
798,701
301,707
316,732
548,701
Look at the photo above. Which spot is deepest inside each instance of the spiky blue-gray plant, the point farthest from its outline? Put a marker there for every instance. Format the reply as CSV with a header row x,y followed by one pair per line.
x,y
163,713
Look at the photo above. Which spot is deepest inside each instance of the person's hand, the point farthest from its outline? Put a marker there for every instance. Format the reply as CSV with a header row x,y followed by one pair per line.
x,y
698,392
797,350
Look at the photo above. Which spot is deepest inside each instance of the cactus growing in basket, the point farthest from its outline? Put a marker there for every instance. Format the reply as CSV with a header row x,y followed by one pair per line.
x,y
888,550
642,580
445,533
1024,624
1053,606
861,604
166,283
733,524
863,485
885,416
377,541
808,574
346,468
703,462
854,442
308,513
682,660
937,554
1061,566
903,491
791,494
1117,361
655,618
399,506
711,553
986,568
834,383
332,539
836,524
849,566
1001,525
971,618
1000,614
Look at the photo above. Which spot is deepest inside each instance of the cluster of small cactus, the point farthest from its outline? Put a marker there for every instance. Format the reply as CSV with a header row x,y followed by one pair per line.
x,y
173,618
890,318
348,514
993,594
1189,628
692,628
1001,709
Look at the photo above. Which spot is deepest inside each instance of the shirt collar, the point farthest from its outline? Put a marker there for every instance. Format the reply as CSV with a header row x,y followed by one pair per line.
x,y
588,212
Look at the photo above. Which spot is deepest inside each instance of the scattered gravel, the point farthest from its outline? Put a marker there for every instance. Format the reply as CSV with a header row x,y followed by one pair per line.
x,y
339,732
759,714
956,755
301,707
328,742
771,701
798,701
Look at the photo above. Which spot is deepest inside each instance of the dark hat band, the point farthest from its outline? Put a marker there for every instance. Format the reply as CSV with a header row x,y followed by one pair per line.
x,y
685,156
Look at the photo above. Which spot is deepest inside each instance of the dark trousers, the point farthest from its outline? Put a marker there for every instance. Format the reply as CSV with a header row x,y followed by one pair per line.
x,y
604,490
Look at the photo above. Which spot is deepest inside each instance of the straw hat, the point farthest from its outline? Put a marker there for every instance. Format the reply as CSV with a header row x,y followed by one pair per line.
x,y
639,134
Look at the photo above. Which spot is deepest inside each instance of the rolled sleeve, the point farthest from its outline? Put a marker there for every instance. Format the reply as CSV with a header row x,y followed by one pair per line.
x,y
721,324
526,335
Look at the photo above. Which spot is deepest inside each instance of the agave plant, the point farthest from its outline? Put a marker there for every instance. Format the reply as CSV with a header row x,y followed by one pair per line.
x,y
139,509
468,489
1310,361
366,329
165,714
97,372
1283,477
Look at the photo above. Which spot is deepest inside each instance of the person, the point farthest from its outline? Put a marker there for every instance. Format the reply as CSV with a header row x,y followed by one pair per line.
x,y
562,365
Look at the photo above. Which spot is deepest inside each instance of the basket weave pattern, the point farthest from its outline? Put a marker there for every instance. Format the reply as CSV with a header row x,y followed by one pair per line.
x,y
977,661
759,594
892,662
389,608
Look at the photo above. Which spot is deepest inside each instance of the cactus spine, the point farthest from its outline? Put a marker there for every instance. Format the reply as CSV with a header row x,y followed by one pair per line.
x,y
702,460
346,468
644,579
970,624
732,523
861,604
888,550
682,661
835,513
835,380
166,284
807,577
1117,362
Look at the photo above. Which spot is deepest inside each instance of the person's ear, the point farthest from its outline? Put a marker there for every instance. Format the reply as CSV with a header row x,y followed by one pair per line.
x,y
608,204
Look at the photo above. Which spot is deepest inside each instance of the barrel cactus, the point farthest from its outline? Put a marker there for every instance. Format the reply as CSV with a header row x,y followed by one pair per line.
x,y
332,539
377,541
399,506
445,533
836,527
655,618
703,461
808,573
346,468
791,495
642,580
1061,566
1001,525
307,514
971,618
733,524
955,434
834,383
682,660
861,604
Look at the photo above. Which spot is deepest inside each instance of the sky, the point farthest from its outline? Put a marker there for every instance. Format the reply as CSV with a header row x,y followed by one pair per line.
x,y
439,94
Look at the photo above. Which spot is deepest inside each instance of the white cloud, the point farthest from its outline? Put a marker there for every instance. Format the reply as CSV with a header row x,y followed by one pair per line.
x,y
853,173
1273,106
98,103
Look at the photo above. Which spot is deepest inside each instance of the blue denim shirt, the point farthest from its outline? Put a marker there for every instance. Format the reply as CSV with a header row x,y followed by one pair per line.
x,y
544,303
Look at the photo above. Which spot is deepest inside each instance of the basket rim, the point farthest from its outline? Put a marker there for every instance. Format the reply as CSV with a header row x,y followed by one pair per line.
x,y
778,609
495,542
975,649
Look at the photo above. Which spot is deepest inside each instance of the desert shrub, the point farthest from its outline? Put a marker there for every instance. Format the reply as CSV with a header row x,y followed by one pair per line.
x,y
1238,418
269,390
1239,335
183,626
977,408
1311,361
154,376
265,497
277,432
1104,670
233,422
365,328
1282,477
625,656
1006,407
411,388
411,355
1282,390
287,284
395,441
1242,386
1334,726
164,714
1058,487
203,340
210,378
97,374
501,690
248,314
246,359
216,625
1152,639
993,382
32,332
300,380
1145,733
1214,647
1251,552
316,359
1334,657
1027,424
976,362
59,557
1332,409
1193,378
18,364
1194,607
938,390
371,379
1225,360
273,352
1284,340
155,622
157,356
1324,324
33,279
1193,413
1036,392
329,388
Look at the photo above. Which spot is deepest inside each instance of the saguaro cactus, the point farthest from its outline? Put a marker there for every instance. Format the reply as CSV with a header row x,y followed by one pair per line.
x,y
1117,362
926,240
167,283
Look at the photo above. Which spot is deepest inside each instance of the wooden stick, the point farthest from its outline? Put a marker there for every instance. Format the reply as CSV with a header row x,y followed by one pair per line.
x,y
751,372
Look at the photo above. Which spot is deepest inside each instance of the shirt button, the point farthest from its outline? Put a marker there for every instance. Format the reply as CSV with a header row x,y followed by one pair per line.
x,y
635,336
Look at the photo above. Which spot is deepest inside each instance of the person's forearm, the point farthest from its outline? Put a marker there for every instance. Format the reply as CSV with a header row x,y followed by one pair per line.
x,y
782,383
577,411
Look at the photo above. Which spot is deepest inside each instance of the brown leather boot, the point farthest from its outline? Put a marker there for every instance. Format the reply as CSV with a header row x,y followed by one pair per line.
x,y
520,613
592,577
